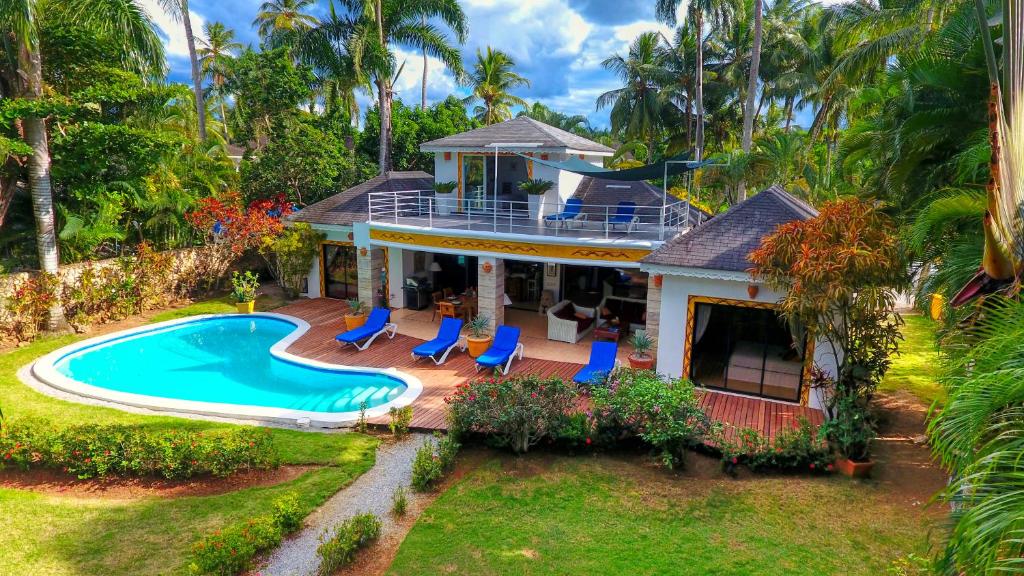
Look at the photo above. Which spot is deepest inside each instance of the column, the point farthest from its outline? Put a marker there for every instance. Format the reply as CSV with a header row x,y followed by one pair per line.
x,y
653,305
491,289
370,263
396,277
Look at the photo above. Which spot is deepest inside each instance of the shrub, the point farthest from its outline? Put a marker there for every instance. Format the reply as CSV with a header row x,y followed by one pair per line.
x,y
361,425
290,253
578,429
92,450
797,448
426,468
340,549
231,550
400,419
664,414
244,286
399,502
517,412
447,450
850,430
287,513
28,305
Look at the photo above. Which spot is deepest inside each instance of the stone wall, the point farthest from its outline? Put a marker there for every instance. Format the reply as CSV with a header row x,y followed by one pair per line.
x,y
491,290
653,305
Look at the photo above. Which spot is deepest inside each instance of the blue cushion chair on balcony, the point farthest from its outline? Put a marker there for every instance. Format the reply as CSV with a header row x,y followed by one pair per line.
x,y
375,325
506,346
602,363
571,212
446,341
625,215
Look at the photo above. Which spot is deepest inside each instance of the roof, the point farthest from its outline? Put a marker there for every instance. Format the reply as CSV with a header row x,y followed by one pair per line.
x,y
592,190
726,241
352,205
521,130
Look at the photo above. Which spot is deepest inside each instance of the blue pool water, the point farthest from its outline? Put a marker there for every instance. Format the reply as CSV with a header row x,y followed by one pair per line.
x,y
224,359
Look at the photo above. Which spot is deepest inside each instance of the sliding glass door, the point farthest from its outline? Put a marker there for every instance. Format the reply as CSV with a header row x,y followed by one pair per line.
x,y
338,267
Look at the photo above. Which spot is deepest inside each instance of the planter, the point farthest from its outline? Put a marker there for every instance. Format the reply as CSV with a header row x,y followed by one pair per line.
x,y
536,201
854,469
645,362
478,346
246,307
353,322
444,203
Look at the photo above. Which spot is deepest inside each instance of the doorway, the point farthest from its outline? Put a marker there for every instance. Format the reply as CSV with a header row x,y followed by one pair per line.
x,y
524,282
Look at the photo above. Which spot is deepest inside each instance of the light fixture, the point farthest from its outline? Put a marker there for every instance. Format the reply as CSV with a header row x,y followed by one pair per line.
x,y
435,267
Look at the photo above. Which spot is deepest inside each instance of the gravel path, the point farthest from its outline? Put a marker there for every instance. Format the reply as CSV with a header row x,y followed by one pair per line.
x,y
371,492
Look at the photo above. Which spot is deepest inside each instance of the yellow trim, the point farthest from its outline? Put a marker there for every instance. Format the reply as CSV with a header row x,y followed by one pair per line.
x,y
529,169
805,379
320,257
565,251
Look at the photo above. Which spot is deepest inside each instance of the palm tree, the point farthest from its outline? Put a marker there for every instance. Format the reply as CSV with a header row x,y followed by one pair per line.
x,y
178,10
639,108
491,79
278,19
216,53
130,28
755,63
577,123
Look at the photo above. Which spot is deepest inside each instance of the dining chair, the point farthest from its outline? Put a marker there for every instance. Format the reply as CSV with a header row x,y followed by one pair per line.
x,y
436,298
448,292
447,310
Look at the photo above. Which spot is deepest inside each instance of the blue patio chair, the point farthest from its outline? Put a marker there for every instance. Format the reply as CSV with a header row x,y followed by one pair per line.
x,y
571,212
447,339
602,363
625,215
375,325
506,345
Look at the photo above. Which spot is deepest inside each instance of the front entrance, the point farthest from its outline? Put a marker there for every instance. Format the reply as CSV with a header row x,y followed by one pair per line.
x,y
524,283
338,271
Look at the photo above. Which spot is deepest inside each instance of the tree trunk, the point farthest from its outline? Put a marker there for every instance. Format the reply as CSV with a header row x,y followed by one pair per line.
x,y
423,89
224,119
748,106
39,183
197,79
699,83
384,106
789,113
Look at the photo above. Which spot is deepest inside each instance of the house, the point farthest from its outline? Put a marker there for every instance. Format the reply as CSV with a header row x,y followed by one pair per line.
x,y
394,241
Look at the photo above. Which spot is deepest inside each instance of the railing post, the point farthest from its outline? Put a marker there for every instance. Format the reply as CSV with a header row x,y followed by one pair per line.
x,y
494,226
661,235
430,212
606,225
395,196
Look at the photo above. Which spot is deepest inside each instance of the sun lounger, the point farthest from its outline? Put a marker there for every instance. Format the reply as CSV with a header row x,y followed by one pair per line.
x,y
506,345
602,363
375,325
447,339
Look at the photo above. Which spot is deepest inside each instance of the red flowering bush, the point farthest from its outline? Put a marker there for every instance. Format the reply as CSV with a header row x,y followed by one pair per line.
x,y
225,222
96,451
799,448
517,412
28,305
230,551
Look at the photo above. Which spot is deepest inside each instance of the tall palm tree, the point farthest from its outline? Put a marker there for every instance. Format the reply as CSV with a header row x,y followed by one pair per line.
x,y
178,10
278,19
216,53
378,25
130,28
755,63
639,107
577,123
491,80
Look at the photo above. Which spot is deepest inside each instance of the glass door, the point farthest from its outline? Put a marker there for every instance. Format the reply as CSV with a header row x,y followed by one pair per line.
x,y
340,276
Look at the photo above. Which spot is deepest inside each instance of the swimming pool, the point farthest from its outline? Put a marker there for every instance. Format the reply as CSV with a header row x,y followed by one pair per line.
x,y
227,365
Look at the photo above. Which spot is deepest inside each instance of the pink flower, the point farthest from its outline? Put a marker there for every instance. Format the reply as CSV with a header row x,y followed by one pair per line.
x,y
588,441
533,394
734,460
812,465
829,467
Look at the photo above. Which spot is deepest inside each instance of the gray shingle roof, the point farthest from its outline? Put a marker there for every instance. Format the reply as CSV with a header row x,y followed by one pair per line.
x,y
593,190
352,205
725,241
523,130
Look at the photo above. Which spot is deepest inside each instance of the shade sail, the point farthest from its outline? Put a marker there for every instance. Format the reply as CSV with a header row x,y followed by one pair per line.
x,y
649,172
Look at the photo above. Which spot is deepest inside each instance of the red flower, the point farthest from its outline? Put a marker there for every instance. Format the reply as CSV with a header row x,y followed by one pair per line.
x,y
812,465
588,441
87,460
829,467
734,460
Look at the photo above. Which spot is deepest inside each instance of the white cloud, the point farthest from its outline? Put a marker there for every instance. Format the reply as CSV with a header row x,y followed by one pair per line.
x,y
440,82
172,32
527,30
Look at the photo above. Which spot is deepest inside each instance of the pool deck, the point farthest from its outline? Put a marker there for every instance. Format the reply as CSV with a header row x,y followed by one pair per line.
x,y
325,319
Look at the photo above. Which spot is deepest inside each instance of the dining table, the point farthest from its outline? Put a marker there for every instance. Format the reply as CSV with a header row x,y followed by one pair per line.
x,y
465,305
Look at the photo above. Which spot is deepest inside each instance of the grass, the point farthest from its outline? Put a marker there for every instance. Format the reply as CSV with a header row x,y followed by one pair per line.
x,y
564,515
54,535
916,368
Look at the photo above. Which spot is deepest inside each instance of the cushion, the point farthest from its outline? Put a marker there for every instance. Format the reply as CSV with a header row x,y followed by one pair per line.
x,y
583,323
565,313
581,316
605,312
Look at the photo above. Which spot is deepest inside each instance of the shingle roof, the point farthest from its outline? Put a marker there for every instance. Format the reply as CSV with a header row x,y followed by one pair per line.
x,y
725,241
593,190
523,130
352,205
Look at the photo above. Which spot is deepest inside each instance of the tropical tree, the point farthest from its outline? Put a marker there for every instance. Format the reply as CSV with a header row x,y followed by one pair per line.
x,y
279,20
216,54
755,63
178,10
492,79
129,27
576,123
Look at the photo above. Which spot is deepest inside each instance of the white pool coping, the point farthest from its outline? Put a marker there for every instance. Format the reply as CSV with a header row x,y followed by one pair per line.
x,y
44,368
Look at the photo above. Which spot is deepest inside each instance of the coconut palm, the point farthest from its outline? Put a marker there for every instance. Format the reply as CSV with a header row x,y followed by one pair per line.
x,y
577,123
178,10
491,80
278,20
216,52
128,25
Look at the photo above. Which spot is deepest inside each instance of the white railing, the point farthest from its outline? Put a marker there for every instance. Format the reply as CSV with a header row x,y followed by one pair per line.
x,y
423,209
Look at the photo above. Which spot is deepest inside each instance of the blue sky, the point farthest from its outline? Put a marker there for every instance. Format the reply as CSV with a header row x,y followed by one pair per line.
x,y
557,44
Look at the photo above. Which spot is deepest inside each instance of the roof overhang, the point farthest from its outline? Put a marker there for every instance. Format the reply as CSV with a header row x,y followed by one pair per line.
x,y
703,273
525,149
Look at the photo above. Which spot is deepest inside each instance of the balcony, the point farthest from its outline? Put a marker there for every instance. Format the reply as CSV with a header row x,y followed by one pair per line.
x,y
420,209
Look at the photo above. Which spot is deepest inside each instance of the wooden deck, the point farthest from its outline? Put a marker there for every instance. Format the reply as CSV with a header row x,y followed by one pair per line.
x,y
325,319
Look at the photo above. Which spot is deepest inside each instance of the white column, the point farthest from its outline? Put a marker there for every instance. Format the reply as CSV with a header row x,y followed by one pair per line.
x,y
396,276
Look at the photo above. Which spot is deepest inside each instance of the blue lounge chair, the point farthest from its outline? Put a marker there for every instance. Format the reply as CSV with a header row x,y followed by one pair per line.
x,y
447,339
602,363
375,325
571,212
505,346
625,215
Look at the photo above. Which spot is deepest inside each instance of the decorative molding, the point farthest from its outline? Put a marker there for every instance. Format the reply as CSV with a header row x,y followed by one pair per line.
x,y
704,273
508,247
691,305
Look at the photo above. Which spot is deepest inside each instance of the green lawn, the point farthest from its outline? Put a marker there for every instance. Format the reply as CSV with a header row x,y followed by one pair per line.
x,y
564,515
52,535
916,368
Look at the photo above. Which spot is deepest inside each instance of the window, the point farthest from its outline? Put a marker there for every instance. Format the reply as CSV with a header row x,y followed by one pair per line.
x,y
340,276
746,350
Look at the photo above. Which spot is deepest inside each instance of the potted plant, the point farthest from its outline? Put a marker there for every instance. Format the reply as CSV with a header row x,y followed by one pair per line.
x,y
850,432
356,316
244,287
444,197
535,190
478,340
642,344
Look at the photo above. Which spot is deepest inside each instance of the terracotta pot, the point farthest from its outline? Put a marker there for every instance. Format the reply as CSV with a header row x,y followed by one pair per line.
x,y
352,322
478,346
853,469
645,362
245,307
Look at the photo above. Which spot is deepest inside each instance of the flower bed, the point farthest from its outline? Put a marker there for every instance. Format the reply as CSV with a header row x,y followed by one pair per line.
x,y
231,551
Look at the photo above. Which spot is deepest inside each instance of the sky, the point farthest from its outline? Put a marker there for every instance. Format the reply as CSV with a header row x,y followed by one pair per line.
x,y
558,45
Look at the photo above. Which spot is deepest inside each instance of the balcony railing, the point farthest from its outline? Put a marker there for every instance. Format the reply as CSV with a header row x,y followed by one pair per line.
x,y
422,209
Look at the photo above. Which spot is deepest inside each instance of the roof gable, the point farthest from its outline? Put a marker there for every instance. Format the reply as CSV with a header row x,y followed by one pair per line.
x,y
520,130
352,205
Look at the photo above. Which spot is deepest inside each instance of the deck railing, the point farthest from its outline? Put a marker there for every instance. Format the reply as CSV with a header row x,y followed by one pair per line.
x,y
423,209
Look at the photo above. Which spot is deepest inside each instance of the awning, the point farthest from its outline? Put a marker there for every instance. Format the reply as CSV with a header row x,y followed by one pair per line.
x,y
679,164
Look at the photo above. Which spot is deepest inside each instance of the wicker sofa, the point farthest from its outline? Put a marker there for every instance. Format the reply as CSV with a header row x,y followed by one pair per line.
x,y
565,323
